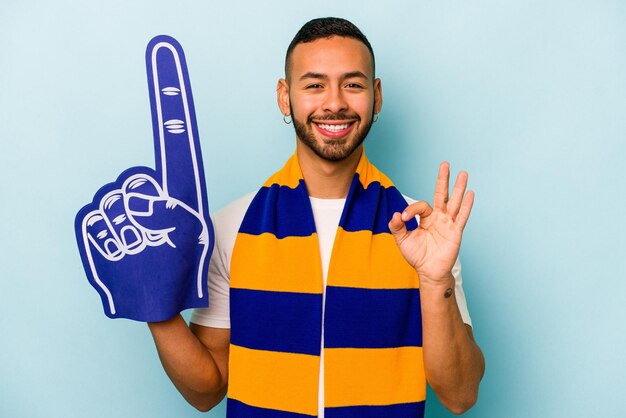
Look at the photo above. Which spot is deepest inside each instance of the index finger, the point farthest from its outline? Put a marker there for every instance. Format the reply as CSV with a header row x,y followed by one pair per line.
x,y
176,143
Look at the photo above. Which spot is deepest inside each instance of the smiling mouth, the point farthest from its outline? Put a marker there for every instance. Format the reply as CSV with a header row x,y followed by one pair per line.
x,y
334,130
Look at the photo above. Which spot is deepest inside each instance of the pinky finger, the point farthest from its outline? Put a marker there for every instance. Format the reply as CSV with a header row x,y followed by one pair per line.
x,y
465,210
98,235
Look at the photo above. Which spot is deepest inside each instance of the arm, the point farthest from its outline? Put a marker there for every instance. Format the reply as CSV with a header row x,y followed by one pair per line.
x,y
453,362
195,359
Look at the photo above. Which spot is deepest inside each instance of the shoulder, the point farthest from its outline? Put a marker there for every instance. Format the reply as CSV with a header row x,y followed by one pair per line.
x,y
226,221
233,213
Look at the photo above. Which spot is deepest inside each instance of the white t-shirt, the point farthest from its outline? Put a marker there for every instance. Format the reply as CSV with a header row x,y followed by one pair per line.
x,y
226,223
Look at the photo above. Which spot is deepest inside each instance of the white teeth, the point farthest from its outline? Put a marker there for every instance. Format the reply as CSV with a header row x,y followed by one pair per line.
x,y
333,128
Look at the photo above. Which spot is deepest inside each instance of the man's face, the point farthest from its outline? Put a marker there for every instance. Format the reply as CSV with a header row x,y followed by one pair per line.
x,y
332,95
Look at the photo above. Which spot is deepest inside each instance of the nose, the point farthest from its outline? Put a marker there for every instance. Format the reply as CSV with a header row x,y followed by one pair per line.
x,y
335,102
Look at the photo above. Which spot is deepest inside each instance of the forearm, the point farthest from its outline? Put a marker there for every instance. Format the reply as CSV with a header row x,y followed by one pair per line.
x,y
188,363
454,364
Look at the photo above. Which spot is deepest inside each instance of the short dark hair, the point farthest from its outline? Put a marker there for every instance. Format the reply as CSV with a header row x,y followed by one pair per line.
x,y
323,28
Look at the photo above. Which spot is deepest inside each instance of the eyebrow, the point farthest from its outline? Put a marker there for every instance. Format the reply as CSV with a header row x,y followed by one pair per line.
x,y
320,76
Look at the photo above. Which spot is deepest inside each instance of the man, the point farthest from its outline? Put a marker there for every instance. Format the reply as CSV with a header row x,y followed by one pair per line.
x,y
287,355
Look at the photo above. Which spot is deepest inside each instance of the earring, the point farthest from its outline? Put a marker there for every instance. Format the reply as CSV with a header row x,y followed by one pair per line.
x,y
375,119
285,119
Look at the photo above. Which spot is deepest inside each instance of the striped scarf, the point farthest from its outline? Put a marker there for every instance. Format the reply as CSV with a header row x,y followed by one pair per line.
x,y
373,362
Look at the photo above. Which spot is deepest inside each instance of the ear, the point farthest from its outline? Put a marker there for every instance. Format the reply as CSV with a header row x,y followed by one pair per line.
x,y
282,96
378,96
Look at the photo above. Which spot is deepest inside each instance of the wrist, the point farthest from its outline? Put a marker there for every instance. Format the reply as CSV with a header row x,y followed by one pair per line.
x,y
436,283
437,295
437,289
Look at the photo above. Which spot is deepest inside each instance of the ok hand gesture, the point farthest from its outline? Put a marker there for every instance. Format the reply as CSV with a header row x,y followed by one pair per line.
x,y
146,239
433,247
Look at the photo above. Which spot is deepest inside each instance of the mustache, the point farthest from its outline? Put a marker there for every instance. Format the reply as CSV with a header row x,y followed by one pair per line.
x,y
334,116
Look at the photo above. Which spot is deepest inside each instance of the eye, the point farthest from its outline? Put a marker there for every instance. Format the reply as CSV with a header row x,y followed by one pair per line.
x,y
313,86
354,86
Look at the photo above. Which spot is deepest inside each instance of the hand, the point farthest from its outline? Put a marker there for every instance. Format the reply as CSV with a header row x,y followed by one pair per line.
x,y
146,239
433,247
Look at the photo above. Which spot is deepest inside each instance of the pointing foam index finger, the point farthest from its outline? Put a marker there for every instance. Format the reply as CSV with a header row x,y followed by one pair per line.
x,y
176,143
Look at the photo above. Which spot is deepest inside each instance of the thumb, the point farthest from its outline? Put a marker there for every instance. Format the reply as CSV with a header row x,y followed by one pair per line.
x,y
161,214
150,208
397,227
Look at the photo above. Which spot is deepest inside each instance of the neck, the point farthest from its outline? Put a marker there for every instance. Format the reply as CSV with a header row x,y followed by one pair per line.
x,y
327,179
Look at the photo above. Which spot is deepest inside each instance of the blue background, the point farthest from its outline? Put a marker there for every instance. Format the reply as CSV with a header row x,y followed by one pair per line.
x,y
528,96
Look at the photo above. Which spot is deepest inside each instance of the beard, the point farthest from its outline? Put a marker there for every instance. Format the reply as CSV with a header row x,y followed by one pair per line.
x,y
333,150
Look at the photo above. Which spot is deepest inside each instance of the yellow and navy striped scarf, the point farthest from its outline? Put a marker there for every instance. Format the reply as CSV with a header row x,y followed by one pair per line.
x,y
373,362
